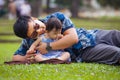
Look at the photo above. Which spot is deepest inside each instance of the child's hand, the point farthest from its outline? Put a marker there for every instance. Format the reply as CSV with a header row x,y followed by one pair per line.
x,y
59,36
30,51
30,57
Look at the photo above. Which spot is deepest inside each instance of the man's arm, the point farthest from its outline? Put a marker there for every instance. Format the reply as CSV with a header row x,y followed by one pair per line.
x,y
20,54
70,38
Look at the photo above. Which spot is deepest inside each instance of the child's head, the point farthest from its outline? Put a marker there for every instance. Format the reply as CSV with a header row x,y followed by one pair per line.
x,y
53,27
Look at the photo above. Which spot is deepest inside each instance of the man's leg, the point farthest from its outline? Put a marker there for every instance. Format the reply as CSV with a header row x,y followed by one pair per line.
x,y
110,37
102,53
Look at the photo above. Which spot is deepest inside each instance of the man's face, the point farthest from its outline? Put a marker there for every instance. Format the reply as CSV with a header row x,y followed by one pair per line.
x,y
35,28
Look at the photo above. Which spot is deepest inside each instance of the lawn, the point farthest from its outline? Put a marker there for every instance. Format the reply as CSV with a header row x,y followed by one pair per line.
x,y
73,71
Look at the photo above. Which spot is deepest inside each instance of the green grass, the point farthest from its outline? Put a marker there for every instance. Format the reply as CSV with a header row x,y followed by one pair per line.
x,y
9,37
97,23
7,50
74,71
6,25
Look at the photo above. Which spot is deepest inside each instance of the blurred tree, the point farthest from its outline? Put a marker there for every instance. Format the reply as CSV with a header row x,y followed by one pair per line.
x,y
36,7
113,3
48,6
75,8
73,5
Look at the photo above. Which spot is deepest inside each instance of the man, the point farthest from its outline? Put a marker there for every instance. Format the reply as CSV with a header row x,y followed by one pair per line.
x,y
86,45
28,27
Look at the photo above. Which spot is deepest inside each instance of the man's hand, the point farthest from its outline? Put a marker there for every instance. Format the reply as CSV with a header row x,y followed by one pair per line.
x,y
30,57
42,48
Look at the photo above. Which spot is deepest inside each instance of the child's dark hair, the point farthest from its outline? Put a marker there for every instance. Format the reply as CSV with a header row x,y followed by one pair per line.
x,y
53,23
21,26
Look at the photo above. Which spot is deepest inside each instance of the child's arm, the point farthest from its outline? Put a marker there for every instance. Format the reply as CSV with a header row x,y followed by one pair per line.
x,y
33,46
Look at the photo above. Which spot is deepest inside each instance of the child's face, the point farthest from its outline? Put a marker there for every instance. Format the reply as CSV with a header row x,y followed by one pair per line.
x,y
53,34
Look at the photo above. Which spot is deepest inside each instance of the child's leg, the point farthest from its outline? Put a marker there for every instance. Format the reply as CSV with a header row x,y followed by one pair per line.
x,y
39,57
65,56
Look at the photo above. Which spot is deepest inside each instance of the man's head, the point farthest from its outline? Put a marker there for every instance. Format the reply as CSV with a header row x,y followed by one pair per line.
x,y
21,26
28,27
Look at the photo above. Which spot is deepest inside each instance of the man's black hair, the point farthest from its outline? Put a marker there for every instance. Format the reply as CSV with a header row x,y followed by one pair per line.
x,y
53,23
21,26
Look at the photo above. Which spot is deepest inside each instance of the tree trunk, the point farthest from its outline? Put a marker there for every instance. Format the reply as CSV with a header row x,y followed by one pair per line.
x,y
75,8
48,6
36,8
